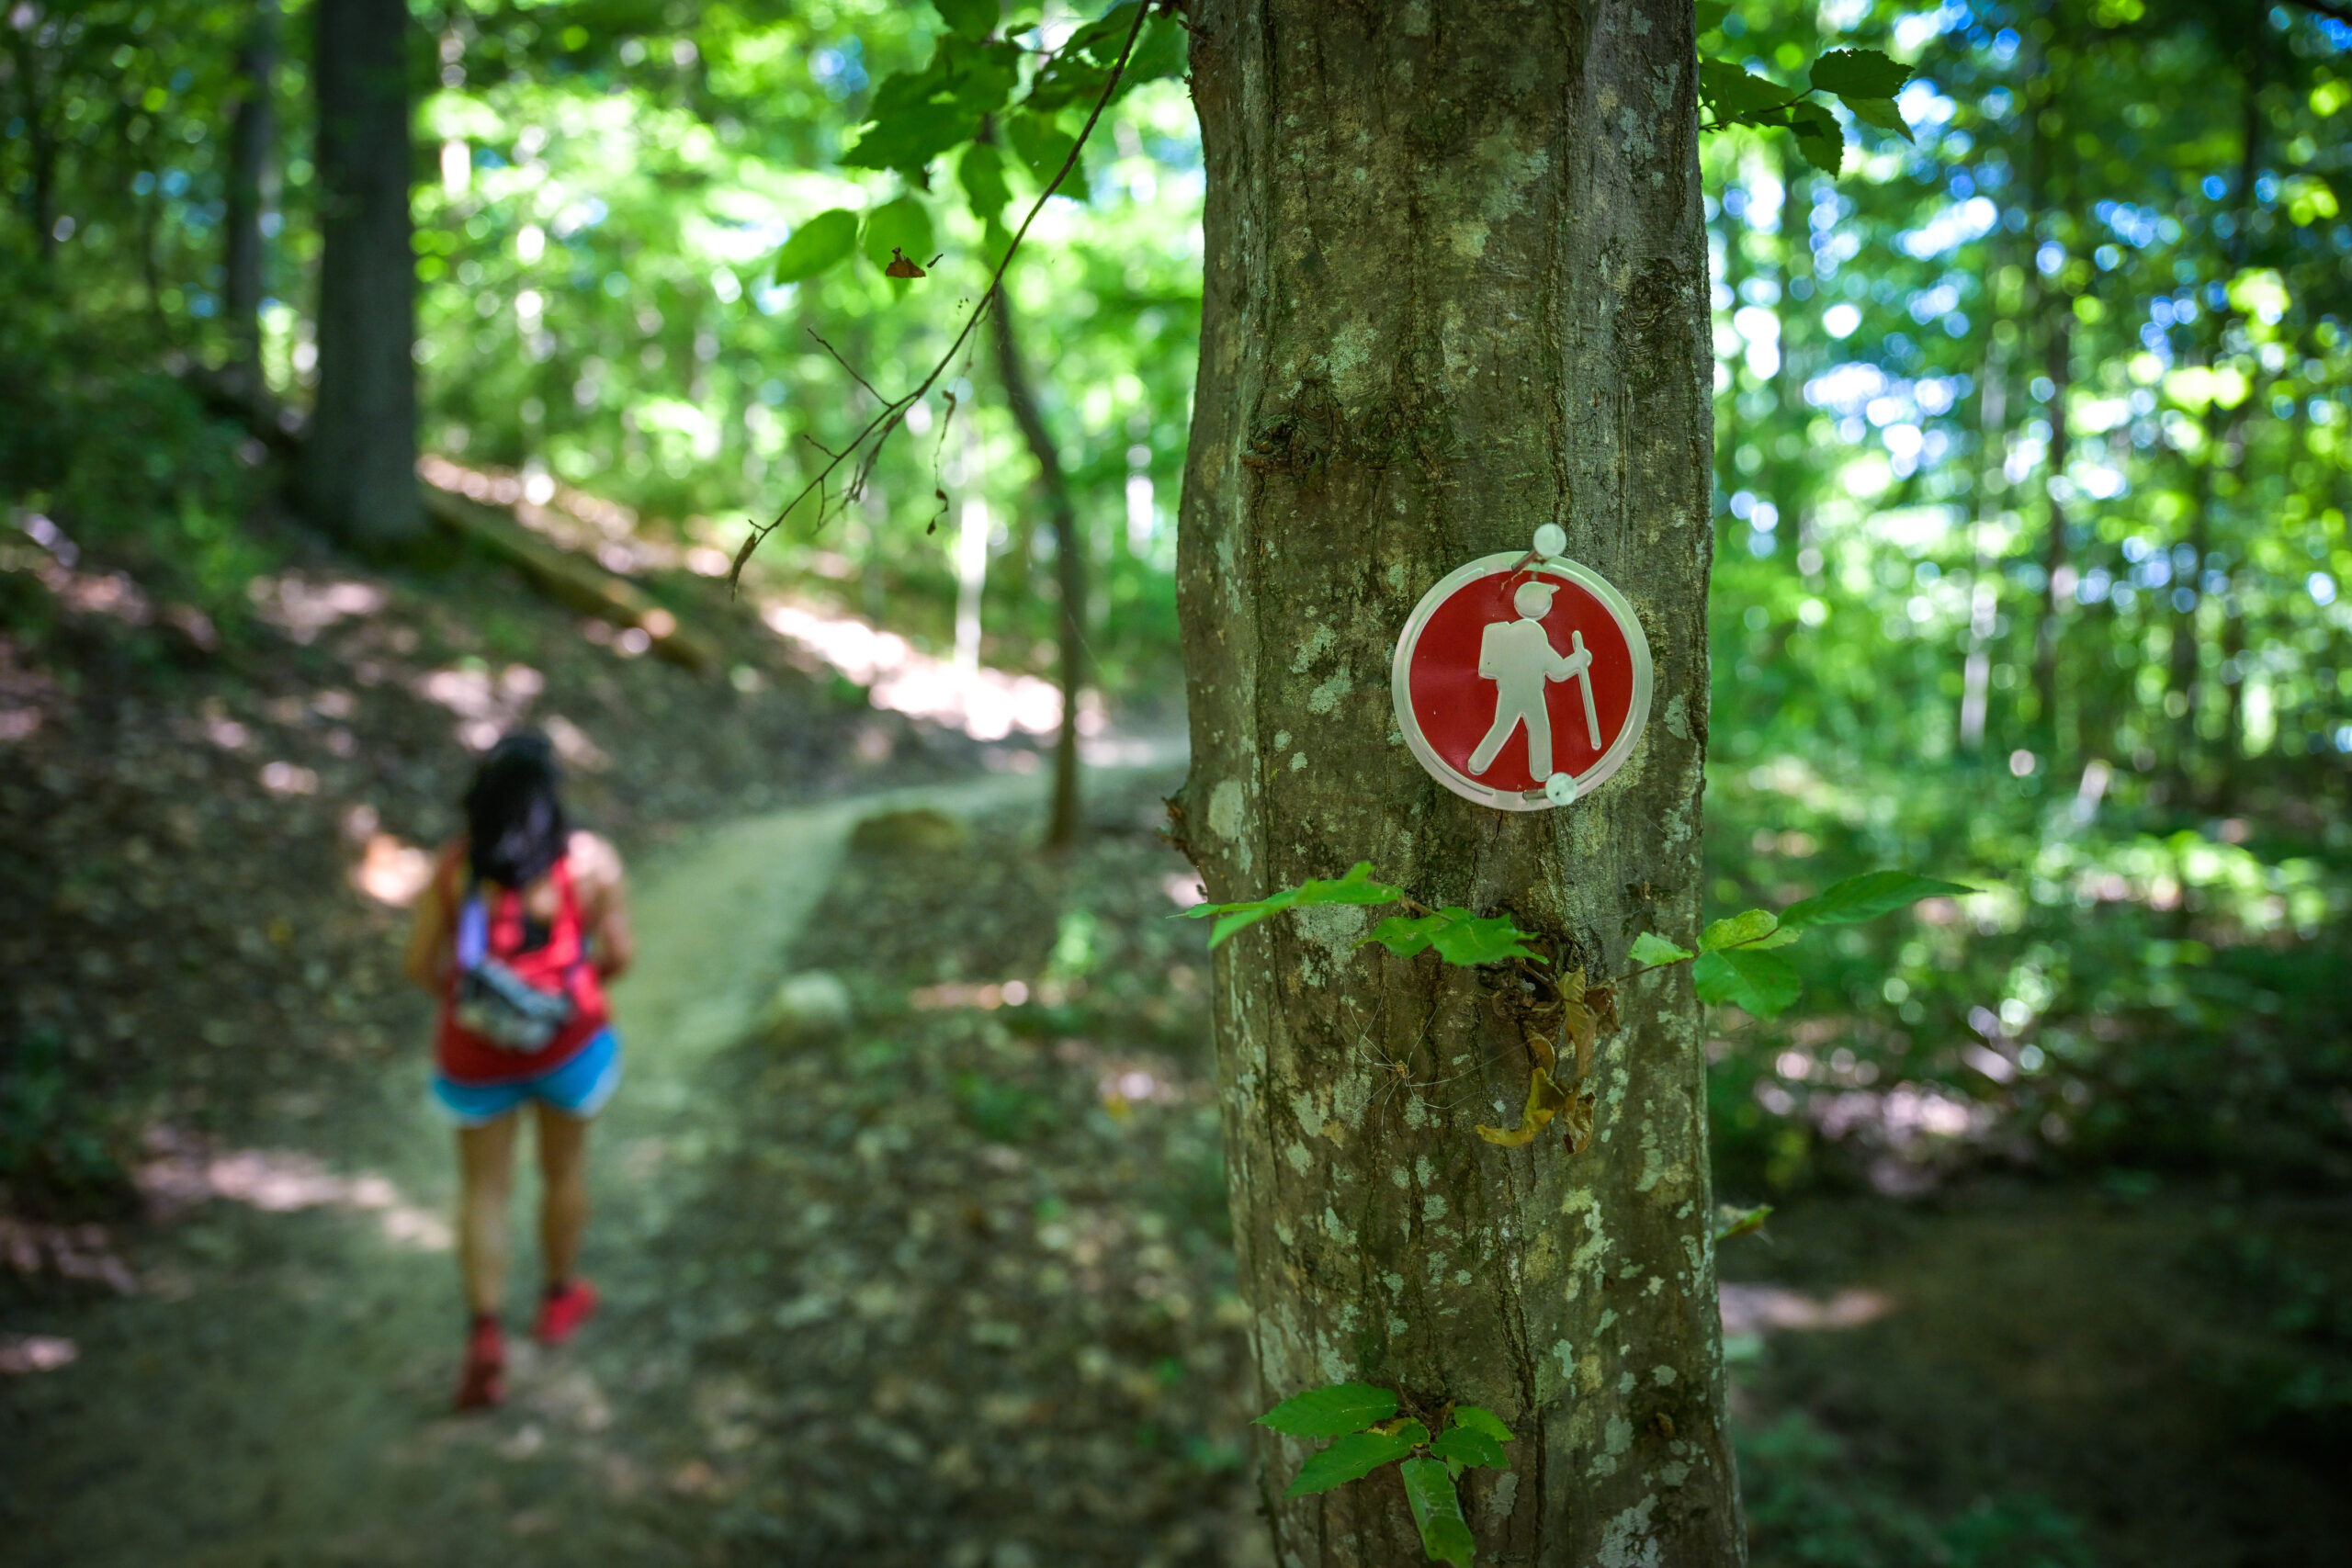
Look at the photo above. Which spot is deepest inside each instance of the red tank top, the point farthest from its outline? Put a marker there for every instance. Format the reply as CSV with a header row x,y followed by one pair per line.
x,y
556,965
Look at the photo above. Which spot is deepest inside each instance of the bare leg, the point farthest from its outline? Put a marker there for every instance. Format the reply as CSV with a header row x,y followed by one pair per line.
x,y
563,1172
486,1182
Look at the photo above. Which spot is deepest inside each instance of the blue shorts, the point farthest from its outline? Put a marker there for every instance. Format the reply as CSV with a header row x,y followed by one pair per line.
x,y
578,1087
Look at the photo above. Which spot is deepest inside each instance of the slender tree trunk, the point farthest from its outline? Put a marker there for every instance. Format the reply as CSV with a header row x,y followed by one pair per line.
x,y
1070,563
360,477
1456,289
2058,365
2222,433
253,131
33,100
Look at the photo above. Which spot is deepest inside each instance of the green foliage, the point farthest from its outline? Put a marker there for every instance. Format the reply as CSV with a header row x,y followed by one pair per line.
x,y
817,244
1864,80
901,226
1369,1433
1458,936
1865,897
1003,1112
1651,950
1331,1411
57,1151
1353,1457
1762,983
1734,963
1437,1509
1356,887
1809,1506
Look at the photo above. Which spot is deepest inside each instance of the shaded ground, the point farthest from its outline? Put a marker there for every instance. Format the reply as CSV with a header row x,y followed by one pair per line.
x,y
2062,1376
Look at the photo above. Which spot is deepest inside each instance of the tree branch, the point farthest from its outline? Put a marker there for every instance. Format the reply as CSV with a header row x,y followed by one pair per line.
x,y
893,414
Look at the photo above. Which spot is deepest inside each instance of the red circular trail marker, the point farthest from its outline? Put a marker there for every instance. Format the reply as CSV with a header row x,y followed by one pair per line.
x,y
1522,680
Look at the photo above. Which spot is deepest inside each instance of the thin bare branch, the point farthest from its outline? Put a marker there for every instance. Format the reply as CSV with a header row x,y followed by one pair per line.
x,y
894,412
845,364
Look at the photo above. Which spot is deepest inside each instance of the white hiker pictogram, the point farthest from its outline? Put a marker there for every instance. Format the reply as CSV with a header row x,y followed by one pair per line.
x,y
1519,657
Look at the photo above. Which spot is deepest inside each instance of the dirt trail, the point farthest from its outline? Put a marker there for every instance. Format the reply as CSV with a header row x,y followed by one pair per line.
x,y
275,1393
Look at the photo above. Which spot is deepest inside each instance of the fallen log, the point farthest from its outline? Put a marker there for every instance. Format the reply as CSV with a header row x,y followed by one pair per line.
x,y
572,579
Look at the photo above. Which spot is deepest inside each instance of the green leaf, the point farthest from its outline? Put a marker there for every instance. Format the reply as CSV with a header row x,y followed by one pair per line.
x,y
1710,14
1163,51
1351,1459
1043,147
1437,1508
974,19
904,225
981,173
1866,897
1749,925
1819,137
980,76
1465,1445
1101,40
903,90
1650,950
1880,112
1478,1418
1736,97
911,138
1331,1411
1731,1221
1458,937
1762,983
1859,74
817,244
1356,887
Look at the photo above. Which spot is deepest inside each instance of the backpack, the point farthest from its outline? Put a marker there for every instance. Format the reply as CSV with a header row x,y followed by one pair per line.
x,y
495,1003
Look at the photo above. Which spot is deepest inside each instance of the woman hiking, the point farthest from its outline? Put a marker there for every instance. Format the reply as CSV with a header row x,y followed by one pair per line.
x,y
522,924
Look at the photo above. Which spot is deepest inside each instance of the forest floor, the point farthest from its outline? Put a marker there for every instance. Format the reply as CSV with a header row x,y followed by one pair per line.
x,y
928,1267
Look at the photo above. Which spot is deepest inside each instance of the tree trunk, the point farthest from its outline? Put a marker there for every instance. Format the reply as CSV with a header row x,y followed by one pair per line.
x,y
253,130
2058,365
1456,289
2223,434
1069,564
359,480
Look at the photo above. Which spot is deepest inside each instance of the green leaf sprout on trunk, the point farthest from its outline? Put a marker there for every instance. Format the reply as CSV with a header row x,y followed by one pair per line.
x,y
1368,1433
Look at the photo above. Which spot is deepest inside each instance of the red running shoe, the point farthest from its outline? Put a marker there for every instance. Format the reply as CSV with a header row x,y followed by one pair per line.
x,y
565,1308
484,1382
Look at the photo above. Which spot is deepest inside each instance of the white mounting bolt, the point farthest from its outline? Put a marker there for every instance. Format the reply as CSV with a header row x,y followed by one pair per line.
x,y
1550,540
1560,789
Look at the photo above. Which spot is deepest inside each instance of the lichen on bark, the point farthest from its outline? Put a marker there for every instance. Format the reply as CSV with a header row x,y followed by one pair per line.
x,y
1456,289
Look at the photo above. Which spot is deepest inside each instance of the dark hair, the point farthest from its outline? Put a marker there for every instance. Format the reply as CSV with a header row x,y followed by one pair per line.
x,y
515,824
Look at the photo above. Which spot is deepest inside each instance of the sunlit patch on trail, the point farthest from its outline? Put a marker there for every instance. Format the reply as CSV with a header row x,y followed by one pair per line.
x,y
302,609
487,705
1758,1309
22,1353
985,704
184,1173
391,872
83,1252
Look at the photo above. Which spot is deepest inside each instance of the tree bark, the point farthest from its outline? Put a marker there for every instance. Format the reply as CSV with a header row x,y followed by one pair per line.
x,y
253,131
359,480
1455,288
1069,564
